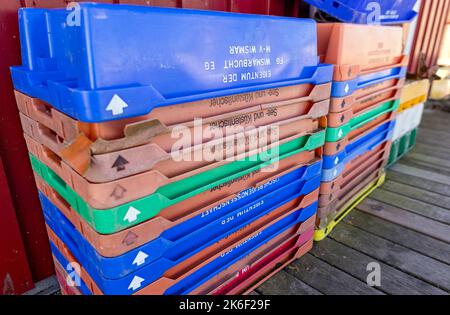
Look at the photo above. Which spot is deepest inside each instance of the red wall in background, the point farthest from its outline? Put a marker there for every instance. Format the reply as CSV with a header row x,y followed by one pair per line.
x,y
15,274
19,177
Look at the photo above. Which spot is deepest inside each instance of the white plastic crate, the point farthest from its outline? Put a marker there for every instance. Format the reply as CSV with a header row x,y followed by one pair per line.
x,y
408,120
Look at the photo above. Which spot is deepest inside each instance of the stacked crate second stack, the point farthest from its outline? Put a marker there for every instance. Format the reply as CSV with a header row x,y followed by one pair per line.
x,y
412,103
143,196
369,75
368,11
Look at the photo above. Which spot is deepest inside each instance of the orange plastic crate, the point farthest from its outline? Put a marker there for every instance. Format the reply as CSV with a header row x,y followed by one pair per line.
x,y
356,49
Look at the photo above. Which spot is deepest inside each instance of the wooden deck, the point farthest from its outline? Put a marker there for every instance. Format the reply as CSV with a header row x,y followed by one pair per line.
x,y
404,226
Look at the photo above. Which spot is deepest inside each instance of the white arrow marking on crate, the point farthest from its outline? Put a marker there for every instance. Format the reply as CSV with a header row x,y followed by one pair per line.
x,y
116,105
340,133
131,214
347,88
140,258
136,283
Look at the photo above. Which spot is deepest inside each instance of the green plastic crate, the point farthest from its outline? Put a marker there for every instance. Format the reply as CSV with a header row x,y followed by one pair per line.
x,y
108,221
337,133
402,146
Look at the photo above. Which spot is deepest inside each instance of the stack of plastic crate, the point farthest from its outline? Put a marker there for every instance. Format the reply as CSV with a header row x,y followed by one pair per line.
x,y
132,202
412,102
368,77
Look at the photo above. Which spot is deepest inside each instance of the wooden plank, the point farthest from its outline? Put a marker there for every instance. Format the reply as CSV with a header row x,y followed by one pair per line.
x,y
393,281
433,135
400,235
431,150
400,257
418,194
429,159
15,271
284,283
425,174
435,115
434,125
430,113
425,166
419,148
440,135
434,118
424,136
429,135
432,121
418,182
407,219
415,206
328,279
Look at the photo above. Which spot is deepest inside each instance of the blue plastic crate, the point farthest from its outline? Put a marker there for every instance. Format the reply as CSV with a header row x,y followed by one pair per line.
x,y
124,285
362,11
167,254
345,88
123,61
334,165
185,239
83,251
